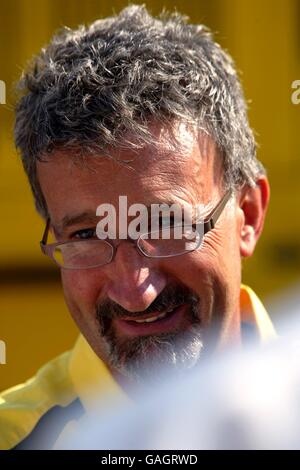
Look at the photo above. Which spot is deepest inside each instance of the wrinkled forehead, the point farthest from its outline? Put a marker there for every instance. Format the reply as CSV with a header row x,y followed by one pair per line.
x,y
184,163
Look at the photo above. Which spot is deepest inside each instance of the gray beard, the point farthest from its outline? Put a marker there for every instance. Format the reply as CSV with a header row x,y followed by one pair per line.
x,y
148,357
152,356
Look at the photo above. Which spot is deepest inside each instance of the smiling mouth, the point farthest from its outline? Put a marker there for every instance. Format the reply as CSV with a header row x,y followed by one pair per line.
x,y
153,318
173,318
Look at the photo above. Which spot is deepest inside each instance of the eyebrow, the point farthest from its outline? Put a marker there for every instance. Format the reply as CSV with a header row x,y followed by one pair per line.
x,y
70,220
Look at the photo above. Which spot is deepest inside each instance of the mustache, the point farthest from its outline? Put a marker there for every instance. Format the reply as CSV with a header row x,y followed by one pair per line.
x,y
171,297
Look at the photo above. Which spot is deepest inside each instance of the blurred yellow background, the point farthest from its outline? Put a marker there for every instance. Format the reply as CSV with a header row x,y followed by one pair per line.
x,y
264,39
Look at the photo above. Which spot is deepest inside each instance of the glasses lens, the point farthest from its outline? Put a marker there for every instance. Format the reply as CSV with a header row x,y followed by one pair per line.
x,y
170,241
83,254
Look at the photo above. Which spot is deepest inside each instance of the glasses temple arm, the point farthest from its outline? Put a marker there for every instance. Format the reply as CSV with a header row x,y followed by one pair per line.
x,y
43,242
211,221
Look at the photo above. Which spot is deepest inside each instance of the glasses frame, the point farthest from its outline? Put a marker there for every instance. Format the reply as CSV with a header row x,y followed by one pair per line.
x,y
208,224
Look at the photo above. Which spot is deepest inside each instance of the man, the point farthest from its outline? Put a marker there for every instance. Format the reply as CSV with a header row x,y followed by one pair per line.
x,y
151,109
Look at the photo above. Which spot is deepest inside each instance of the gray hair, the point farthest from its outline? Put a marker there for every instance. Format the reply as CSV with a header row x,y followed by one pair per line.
x,y
95,86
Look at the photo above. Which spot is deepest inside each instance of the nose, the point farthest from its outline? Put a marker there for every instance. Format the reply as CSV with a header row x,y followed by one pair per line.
x,y
134,280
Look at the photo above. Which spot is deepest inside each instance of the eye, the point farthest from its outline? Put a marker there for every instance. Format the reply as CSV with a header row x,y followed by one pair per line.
x,y
85,234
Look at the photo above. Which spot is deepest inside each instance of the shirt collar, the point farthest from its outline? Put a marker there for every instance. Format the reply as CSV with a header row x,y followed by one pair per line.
x,y
254,313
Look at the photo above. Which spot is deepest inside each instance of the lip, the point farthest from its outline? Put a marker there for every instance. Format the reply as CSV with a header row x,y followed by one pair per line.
x,y
173,321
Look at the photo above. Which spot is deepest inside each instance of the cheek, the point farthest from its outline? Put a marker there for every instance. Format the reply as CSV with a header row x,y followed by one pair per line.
x,y
195,270
221,246
82,290
217,263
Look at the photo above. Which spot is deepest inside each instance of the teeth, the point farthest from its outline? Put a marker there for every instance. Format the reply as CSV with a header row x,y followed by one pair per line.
x,y
151,319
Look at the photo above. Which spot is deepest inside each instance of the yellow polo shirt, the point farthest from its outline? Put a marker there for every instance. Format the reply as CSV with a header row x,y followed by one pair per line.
x,y
75,373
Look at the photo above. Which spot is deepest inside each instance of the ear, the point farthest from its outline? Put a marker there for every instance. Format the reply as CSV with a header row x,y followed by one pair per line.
x,y
253,204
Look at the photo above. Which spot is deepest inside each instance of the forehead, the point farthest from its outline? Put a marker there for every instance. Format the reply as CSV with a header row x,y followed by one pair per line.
x,y
182,166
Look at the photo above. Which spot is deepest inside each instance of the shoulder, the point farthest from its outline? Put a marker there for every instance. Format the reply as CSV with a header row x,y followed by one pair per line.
x,y
22,407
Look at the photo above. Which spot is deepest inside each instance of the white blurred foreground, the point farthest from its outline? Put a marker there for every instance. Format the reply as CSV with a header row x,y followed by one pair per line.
x,y
248,400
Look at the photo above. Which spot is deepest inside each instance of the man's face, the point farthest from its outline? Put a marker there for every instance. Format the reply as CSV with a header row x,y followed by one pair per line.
x,y
111,304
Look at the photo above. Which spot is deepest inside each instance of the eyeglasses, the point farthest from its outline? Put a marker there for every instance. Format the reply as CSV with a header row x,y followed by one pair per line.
x,y
162,243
